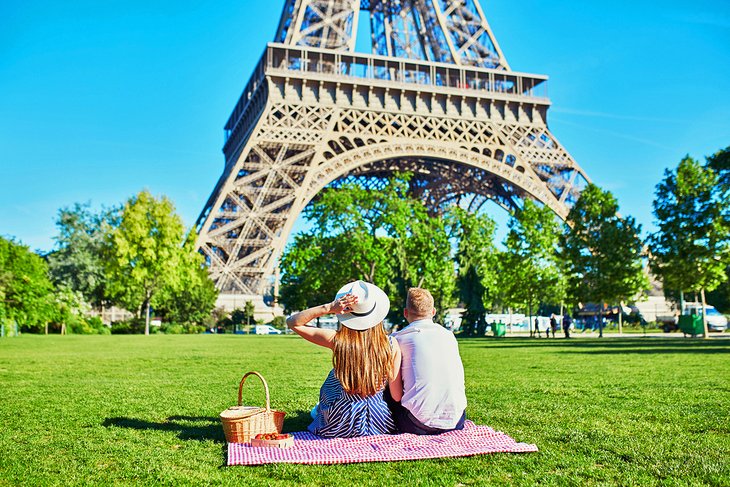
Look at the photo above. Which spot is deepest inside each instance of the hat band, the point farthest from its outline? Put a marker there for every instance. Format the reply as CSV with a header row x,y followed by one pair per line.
x,y
364,314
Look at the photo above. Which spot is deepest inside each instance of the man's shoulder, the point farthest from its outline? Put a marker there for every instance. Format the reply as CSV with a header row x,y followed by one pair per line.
x,y
425,331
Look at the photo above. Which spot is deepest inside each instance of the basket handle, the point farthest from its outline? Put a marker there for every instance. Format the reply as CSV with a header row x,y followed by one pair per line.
x,y
266,388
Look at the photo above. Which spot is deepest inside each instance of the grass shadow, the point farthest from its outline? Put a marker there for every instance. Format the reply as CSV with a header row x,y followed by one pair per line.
x,y
297,421
196,428
633,345
651,351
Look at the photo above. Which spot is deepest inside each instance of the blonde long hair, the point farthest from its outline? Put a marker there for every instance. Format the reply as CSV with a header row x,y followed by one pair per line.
x,y
362,359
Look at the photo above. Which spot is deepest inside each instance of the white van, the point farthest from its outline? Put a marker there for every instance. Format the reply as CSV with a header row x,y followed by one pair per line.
x,y
716,321
266,330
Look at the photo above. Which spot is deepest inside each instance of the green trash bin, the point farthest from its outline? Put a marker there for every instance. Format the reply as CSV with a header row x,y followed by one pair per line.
x,y
691,324
499,329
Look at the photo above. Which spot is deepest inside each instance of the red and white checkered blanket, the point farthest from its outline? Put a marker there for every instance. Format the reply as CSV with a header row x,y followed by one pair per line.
x,y
311,449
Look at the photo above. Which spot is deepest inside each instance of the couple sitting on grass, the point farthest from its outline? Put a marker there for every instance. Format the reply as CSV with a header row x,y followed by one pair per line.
x,y
409,382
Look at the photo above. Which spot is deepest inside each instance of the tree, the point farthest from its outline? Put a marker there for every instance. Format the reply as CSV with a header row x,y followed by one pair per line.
x,y
189,296
532,271
423,256
77,262
248,310
240,316
720,163
381,236
477,268
309,276
26,292
143,252
602,251
689,250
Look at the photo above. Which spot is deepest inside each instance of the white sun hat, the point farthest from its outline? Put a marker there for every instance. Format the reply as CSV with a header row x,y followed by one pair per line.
x,y
371,308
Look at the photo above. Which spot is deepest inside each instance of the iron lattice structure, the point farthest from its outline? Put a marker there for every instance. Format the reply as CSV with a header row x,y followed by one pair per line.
x,y
435,98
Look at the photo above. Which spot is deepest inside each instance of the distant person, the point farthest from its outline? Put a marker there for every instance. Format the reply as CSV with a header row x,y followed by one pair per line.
x,y
553,324
567,321
434,397
537,328
366,362
601,324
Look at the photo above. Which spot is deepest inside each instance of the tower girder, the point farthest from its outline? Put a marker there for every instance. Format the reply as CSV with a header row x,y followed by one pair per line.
x,y
442,103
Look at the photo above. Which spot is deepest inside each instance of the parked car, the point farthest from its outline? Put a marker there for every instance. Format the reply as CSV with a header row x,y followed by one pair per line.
x,y
266,330
716,321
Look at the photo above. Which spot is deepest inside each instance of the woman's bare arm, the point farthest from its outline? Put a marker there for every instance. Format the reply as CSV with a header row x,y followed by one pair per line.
x,y
396,384
298,321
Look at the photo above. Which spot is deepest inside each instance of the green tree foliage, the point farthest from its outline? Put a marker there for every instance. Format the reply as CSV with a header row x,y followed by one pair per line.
x,y
77,262
243,316
532,273
690,249
602,251
720,163
314,267
148,265
477,262
26,292
248,310
189,296
380,236
73,314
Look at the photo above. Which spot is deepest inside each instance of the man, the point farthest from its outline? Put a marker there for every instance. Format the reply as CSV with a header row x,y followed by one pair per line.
x,y
567,321
434,399
553,323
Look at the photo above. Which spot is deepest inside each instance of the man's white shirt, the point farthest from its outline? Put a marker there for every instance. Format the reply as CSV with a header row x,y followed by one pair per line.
x,y
433,375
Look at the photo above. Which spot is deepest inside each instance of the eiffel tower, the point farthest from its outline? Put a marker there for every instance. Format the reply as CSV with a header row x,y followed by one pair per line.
x,y
436,98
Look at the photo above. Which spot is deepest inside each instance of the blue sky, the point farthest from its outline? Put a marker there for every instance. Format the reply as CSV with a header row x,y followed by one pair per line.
x,y
99,100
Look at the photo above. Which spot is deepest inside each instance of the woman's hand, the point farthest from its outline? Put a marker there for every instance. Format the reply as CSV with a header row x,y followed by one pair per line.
x,y
343,304
319,336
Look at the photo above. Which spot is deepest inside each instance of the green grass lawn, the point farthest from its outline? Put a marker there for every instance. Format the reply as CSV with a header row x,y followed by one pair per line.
x,y
144,410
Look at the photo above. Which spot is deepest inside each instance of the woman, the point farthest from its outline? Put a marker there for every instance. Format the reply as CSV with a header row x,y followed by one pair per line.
x,y
364,358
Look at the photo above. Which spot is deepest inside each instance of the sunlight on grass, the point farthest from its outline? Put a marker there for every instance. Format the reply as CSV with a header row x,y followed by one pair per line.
x,y
135,409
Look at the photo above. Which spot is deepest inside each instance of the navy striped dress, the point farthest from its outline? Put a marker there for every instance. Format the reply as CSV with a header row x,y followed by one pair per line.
x,y
344,415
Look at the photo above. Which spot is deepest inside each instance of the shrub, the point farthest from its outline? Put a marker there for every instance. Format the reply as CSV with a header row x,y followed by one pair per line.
x,y
130,327
172,329
91,325
181,328
195,329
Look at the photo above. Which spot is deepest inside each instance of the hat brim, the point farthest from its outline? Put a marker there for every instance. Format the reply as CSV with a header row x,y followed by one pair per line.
x,y
370,318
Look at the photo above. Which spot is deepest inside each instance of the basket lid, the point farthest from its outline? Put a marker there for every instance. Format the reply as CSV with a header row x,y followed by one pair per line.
x,y
239,412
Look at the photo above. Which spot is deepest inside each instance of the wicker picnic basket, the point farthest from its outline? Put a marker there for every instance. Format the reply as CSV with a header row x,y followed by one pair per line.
x,y
241,423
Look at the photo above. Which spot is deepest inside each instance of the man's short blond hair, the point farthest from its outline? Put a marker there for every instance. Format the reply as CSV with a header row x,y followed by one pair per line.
x,y
419,302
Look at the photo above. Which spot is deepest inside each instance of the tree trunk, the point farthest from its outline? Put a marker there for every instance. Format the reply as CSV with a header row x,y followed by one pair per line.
x,y
147,318
705,331
620,317
681,303
46,328
600,320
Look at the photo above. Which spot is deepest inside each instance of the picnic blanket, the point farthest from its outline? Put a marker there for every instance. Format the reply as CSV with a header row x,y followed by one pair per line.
x,y
312,449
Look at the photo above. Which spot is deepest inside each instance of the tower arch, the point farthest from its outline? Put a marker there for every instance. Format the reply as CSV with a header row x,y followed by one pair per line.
x,y
311,115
